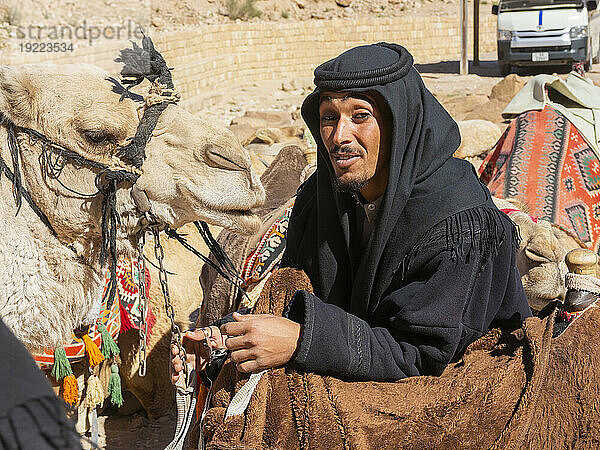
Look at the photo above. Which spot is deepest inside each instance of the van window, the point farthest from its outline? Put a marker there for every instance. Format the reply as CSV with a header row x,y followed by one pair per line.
x,y
515,5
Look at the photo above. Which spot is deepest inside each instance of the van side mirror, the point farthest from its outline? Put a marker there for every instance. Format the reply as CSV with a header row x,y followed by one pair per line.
x,y
495,9
592,5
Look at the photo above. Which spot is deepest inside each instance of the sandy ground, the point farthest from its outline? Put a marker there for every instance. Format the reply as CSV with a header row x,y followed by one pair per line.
x,y
135,430
167,14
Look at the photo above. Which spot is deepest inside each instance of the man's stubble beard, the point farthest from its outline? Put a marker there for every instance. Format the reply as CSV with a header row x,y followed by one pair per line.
x,y
349,187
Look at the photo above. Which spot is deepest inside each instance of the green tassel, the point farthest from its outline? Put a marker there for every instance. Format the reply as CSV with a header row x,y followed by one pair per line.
x,y
114,386
109,348
61,367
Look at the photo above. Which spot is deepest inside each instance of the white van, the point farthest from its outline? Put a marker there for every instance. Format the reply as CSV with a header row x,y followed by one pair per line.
x,y
544,32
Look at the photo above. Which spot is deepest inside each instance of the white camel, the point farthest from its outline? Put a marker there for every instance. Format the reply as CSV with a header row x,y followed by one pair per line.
x,y
52,280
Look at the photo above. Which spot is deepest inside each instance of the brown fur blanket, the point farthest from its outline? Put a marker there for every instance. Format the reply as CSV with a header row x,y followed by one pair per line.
x,y
509,391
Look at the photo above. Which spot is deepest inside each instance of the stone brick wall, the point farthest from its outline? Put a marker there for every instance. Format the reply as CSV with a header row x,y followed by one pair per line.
x,y
212,58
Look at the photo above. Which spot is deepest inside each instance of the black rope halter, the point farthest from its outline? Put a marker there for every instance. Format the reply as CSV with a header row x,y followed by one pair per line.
x,y
53,159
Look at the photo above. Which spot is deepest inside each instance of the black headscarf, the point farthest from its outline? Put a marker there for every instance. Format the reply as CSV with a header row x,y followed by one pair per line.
x,y
426,184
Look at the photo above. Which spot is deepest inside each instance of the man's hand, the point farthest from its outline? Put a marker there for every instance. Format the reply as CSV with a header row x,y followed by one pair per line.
x,y
197,354
260,341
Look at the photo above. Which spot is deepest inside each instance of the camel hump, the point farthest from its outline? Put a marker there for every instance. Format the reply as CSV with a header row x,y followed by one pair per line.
x,y
582,261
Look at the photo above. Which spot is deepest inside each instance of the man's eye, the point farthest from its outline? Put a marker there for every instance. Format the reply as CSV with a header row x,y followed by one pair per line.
x,y
327,118
362,116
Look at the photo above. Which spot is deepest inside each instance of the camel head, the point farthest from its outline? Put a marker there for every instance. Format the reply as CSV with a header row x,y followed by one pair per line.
x,y
541,261
191,170
540,256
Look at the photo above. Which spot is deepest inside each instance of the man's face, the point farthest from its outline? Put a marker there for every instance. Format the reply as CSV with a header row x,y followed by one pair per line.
x,y
353,131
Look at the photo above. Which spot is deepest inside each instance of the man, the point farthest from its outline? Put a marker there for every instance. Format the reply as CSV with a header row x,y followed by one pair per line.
x,y
409,259
31,415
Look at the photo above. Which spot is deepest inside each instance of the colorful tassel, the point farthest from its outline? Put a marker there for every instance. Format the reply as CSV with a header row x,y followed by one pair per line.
x,y
114,386
151,321
109,348
61,367
94,394
94,354
70,390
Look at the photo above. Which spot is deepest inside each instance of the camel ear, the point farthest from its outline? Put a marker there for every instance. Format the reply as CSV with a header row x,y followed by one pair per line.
x,y
16,99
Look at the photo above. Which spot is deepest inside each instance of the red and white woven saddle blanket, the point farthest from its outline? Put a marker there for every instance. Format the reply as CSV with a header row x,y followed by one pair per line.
x,y
266,257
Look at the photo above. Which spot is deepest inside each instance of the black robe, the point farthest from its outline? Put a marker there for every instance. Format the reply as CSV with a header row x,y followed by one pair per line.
x,y
439,269
31,415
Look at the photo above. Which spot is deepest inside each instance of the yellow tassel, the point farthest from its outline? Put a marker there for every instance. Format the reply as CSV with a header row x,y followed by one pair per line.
x,y
94,354
70,390
94,394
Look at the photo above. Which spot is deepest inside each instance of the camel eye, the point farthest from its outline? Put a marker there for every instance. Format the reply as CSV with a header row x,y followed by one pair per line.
x,y
97,137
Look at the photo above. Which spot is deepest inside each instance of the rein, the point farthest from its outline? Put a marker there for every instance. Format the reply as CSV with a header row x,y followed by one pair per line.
x,y
19,192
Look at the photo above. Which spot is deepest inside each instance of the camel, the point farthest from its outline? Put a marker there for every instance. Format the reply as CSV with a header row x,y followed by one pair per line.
x,y
541,254
292,165
52,239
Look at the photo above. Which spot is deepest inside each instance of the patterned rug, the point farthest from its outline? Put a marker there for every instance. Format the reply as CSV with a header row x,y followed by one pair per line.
x,y
543,161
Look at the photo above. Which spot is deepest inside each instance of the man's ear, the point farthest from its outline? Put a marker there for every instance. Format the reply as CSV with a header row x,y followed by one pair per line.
x,y
16,96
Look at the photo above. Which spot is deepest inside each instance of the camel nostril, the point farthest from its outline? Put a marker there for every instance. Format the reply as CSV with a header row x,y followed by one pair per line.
x,y
218,158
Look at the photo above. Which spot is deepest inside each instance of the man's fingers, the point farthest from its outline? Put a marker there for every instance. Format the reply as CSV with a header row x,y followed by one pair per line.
x,y
173,372
239,356
177,365
195,335
241,317
236,342
192,340
248,366
234,328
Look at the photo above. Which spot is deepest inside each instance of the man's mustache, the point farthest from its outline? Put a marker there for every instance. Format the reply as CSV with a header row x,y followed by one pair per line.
x,y
344,149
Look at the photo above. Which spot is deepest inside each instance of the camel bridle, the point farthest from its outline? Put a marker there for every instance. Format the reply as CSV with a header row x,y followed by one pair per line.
x,y
139,64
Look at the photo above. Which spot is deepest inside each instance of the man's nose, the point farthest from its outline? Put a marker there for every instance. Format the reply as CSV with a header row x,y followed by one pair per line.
x,y
342,134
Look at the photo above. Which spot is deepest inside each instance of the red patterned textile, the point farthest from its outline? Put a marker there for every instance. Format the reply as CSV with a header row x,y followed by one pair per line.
x,y
124,314
543,161
269,250
127,288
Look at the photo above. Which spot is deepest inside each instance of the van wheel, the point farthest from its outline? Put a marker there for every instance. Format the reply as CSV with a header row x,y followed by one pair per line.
x,y
505,69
